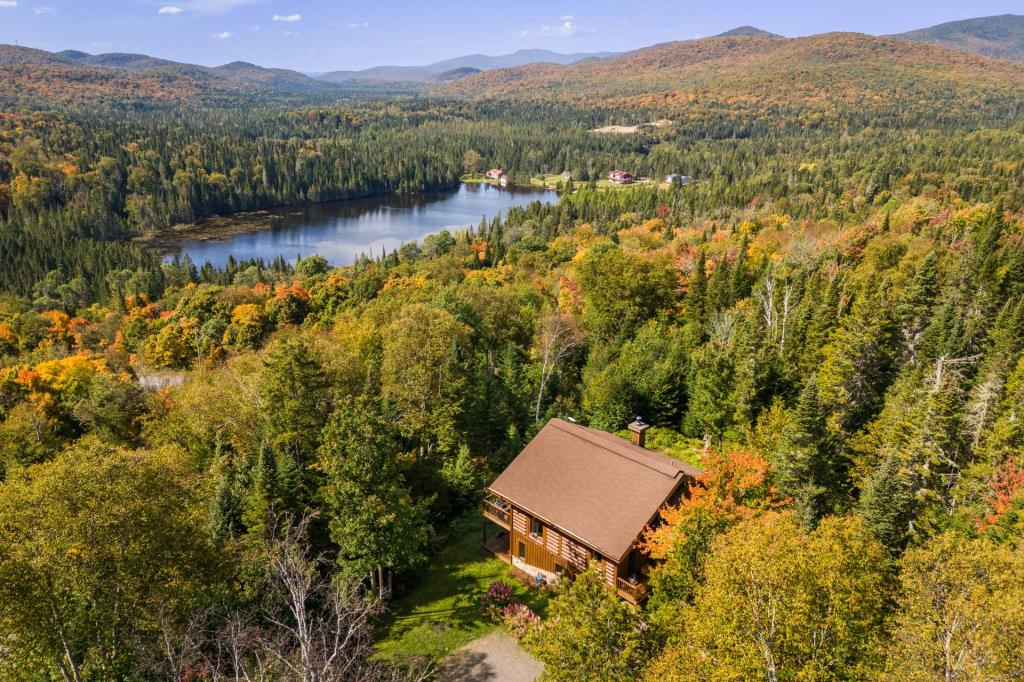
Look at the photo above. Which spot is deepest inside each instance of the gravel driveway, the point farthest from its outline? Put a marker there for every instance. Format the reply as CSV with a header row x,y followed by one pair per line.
x,y
493,658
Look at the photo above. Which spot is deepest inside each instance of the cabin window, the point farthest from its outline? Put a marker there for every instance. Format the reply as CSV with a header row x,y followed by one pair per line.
x,y
522,550
536,528
595,558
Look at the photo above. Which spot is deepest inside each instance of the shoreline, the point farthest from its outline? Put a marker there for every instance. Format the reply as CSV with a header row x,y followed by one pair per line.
x,y
224,226
219,228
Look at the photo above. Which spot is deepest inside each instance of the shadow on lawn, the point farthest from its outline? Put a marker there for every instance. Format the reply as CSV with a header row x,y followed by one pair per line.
x,y
463,613
439,610
466,666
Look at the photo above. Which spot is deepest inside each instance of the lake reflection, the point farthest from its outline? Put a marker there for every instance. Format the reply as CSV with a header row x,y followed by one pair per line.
x,y
341,231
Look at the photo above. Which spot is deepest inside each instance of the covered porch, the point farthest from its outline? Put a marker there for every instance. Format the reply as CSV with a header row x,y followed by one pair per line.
x,y
496,541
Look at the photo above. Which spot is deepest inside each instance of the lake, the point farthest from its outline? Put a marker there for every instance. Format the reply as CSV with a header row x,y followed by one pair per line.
x,y
340,231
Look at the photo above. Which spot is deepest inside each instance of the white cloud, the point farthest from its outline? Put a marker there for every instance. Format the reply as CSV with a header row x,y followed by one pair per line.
x,y
223,35
288,18
568,28
289,34
358,24
565,28
170,9
44,10
8,3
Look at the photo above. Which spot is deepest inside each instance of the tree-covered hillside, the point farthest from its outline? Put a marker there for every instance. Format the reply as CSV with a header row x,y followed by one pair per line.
x,y
844,76
1001,37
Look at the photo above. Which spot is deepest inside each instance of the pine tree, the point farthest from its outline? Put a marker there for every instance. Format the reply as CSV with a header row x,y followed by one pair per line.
x,y
806,464
696,304
886,504
917,301
709,412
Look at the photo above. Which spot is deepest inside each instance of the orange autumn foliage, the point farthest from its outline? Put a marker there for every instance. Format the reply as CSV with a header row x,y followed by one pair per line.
x,y
1006,486
734,487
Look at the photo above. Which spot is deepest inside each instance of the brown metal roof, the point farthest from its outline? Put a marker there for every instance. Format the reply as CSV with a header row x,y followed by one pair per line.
x,y
593,485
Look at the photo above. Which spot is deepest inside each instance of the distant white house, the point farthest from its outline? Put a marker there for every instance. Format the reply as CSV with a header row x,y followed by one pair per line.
x,y
674,177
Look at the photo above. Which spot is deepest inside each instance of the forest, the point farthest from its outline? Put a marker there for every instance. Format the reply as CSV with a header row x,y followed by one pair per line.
x,y
236,473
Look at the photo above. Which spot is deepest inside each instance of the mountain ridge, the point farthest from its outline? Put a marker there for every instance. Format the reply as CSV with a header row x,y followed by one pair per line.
x,y
1000,36
481,62
748,32
756,62
816,72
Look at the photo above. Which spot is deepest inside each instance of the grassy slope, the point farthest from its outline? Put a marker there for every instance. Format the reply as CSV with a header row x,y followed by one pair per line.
x,y
442,612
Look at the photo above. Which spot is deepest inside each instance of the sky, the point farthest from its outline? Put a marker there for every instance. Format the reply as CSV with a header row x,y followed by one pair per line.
x,y
326,35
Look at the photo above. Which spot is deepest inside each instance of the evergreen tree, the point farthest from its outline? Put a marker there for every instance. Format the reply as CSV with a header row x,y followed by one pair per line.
x,y
886,504
708,410
696,303
917,302
807,466
296,396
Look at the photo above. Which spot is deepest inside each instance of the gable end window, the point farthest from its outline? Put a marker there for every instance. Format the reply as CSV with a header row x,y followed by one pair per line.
x,y
536,529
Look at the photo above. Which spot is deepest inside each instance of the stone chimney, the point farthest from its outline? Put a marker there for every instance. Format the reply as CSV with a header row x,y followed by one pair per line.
x,y
638,432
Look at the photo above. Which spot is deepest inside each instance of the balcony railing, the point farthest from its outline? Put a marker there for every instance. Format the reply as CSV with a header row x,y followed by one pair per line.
x,y
631,591
497,510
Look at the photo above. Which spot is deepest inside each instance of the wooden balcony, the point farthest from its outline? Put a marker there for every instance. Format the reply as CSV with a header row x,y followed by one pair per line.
x,y
633,592
498,511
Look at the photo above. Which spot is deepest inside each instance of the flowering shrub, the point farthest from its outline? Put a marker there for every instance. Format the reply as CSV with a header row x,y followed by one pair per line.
x,y
519,619
497,597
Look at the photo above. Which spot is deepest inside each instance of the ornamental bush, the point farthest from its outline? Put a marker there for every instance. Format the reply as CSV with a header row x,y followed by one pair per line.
x,y
519,619
497,597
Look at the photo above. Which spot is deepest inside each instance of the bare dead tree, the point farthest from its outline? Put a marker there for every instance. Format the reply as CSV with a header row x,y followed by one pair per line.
x,y
181,646
327,632
309,628
559,337
766,297
775,320
787,309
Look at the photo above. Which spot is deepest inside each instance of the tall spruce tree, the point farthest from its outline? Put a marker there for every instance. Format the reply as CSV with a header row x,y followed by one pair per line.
x,y
807,466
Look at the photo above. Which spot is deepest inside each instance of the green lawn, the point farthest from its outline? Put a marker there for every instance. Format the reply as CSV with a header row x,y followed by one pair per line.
x,y
442,611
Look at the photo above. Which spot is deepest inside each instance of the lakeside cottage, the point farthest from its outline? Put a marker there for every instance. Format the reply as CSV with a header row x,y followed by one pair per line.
x,y
621,177
495,173
576,496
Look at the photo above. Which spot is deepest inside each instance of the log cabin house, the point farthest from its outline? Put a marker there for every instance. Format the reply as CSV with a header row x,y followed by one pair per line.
x,y
576,495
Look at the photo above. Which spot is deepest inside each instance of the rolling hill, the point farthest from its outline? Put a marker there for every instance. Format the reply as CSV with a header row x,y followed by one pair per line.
x,y
815,76
283,80
71,75
951,65
476,62
1001,37
749,32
